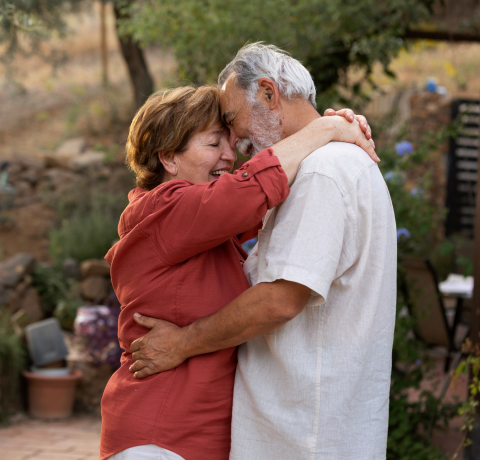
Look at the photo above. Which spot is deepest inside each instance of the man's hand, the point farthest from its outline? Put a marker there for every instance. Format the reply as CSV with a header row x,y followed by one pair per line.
x,y
259,310
349,115
157,351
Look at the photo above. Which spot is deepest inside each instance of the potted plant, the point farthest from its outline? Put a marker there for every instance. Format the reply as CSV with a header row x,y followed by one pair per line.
x,y
50,395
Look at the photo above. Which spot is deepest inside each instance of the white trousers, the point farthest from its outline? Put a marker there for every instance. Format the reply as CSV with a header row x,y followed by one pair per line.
x,y
148,452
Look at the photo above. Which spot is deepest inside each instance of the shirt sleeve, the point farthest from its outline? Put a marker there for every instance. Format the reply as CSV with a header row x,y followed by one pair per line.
x,y
193,218
305,243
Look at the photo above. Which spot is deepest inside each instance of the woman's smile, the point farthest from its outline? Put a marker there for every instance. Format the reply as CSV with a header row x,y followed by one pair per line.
x,y
218,172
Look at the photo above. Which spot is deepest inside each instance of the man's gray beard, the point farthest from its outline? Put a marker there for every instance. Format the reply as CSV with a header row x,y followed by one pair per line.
x,y
265,130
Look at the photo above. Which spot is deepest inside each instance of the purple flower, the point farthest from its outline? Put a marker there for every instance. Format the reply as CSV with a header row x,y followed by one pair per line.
x,y
392,177
388,176
402,232
416,192
99,330
403,147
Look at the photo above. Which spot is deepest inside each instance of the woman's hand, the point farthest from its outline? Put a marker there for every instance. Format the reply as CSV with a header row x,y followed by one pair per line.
x,y
342,130
343,127
349,115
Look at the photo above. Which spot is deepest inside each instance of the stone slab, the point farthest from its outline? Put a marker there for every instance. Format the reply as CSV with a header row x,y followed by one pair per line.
x,y
94,267
86,161
69,149
13,269
95,288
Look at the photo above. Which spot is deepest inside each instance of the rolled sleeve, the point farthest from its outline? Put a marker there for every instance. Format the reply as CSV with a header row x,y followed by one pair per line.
x,y
275,187
185,219
305,243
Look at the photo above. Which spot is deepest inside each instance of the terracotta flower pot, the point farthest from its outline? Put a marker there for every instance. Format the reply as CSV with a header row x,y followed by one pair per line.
x,y
51,397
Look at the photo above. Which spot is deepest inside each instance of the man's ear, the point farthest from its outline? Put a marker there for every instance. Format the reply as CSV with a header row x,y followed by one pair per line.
x,y
269,93
169,162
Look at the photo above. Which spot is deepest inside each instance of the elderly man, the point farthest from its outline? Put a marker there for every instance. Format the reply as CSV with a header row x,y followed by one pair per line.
x,y
313,375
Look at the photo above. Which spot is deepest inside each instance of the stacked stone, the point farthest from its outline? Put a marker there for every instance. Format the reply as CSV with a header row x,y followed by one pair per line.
x,y
74,154
17,294
54,172
95,285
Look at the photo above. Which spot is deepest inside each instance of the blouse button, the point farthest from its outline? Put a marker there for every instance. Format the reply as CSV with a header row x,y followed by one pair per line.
x,y
245,174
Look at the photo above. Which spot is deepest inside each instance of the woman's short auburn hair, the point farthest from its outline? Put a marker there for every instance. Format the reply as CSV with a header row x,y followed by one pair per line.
x,y
164,125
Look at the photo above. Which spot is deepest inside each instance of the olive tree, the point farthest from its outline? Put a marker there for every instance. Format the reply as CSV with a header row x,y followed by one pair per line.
x,y
37,20
328,36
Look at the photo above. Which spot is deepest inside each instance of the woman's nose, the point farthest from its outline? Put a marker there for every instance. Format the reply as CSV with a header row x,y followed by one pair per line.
x,y
229,154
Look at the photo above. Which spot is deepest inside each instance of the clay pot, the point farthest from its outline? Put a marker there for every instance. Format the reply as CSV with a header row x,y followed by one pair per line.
x,y
51,397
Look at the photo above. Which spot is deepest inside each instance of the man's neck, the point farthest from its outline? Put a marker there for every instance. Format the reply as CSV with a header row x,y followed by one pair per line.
x,y
297,115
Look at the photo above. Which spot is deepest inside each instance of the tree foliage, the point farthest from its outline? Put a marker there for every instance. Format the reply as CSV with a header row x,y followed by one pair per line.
x,y
25,24
328,36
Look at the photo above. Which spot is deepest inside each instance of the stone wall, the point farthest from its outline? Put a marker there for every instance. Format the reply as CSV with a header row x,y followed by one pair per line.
x,y
19,297
17,294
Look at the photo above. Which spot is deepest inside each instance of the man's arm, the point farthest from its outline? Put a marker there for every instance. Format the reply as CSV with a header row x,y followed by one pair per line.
x,y
257,311
304,251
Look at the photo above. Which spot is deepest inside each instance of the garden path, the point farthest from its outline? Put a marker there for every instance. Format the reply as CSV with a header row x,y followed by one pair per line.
x,y
76,438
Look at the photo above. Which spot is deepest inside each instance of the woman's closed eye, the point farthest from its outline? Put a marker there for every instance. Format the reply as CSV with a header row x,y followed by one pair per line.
x,y
215,145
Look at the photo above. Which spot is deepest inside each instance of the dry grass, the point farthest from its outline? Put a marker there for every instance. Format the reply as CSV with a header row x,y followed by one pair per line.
x,y
49,106
455,66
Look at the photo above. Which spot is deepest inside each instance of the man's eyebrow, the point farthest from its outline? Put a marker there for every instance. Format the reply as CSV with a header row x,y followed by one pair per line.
x,y
226,117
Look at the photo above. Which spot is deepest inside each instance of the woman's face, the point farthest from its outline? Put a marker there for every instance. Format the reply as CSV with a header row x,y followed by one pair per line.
x,y
208,155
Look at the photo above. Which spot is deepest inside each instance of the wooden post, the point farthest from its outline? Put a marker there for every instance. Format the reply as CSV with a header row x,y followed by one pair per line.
x,y
103,43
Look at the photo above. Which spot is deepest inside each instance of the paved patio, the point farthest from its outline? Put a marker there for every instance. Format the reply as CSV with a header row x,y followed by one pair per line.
x,y
76,438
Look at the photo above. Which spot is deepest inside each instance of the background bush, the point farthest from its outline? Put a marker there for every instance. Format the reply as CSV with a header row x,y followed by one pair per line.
x,y
87,216
12,363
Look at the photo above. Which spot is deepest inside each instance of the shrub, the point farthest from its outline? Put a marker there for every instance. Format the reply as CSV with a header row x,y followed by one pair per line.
x,y
418,218
86,231
51,285
66,308
12,363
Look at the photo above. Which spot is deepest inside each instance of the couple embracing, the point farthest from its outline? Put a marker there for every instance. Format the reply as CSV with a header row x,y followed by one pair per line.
x,y
286,354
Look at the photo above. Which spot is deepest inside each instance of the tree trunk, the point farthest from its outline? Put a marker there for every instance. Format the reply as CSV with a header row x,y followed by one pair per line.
x,y
140,78
103,43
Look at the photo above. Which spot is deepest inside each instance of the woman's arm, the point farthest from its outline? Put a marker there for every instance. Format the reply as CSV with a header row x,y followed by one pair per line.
x,y
195,218
189,219
292,150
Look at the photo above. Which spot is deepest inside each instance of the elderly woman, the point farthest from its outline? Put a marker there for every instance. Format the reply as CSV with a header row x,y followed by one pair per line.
x,y
180,258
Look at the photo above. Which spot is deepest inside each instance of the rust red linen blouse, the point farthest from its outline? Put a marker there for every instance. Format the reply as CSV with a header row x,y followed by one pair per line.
x,y
177,260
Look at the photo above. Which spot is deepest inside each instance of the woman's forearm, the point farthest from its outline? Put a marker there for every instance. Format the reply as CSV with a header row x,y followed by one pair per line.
x,y
292,150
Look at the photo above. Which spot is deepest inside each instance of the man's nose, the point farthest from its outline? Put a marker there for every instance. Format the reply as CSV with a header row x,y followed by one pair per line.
x,y
233,138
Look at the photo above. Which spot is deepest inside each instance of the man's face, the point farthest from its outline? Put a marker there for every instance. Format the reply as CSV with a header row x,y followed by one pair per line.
x,y
253,126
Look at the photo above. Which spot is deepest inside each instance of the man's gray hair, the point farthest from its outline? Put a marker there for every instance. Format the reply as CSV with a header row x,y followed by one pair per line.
x,y
256,60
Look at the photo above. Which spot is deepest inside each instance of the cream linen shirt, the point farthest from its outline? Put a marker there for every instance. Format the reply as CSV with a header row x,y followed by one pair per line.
x,y
318,387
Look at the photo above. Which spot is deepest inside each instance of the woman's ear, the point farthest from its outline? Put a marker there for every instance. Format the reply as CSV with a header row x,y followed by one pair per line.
x,y
169,162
